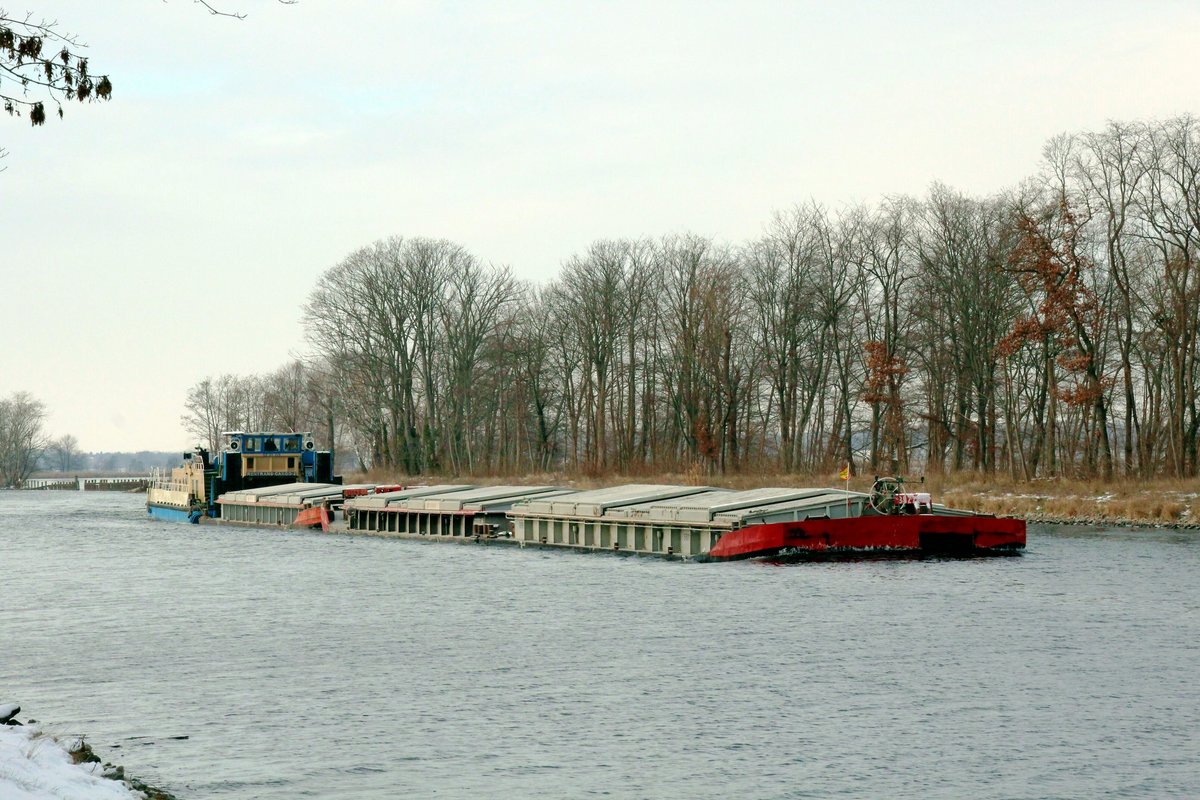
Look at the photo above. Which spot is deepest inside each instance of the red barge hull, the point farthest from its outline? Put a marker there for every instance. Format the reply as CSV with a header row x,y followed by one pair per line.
x,y
917,534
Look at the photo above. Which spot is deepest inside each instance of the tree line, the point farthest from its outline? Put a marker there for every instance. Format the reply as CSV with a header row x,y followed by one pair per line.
x,y
1044,331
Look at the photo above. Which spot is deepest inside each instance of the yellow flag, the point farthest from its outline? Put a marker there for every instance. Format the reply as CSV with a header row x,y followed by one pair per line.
x,y
844,475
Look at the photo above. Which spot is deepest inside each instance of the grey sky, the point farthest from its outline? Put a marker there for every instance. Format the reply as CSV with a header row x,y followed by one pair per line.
x,y
175,232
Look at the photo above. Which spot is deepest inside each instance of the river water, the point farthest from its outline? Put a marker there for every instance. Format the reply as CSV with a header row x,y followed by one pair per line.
x,y
306,665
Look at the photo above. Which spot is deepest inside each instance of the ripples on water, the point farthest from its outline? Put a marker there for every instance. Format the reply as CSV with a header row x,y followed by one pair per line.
x,y
306,665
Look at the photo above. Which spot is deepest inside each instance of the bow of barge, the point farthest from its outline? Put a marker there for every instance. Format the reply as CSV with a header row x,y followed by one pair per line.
x,y
928,533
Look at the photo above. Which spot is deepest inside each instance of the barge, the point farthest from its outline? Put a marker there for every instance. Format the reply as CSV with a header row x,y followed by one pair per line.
x,y
691,522
247,461
700,523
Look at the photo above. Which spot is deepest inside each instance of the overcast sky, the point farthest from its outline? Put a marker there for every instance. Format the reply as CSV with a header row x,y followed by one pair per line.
x,y
175,231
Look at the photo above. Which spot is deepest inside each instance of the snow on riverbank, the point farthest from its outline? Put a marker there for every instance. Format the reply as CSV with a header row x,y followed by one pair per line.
x,y
34,766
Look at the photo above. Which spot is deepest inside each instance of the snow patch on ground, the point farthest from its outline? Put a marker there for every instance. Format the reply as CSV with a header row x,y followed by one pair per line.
x,y
34,766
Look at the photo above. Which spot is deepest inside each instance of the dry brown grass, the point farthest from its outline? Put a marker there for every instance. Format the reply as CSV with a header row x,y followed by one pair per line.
x,y
1158,502
1166,501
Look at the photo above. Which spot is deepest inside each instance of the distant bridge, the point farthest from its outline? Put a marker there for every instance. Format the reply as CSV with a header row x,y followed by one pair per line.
x,y
115,483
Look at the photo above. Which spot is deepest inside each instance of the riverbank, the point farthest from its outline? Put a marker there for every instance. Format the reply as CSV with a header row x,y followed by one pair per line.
x,y
1163,502
1157,503
35,764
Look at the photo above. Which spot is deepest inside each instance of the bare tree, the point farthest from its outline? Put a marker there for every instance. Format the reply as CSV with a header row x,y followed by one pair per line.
x,y
705,327
883,250
593,286
404,325
477,299
969,301
1107,171
540,401
789,337
1169,206
65,452
286,397
22,439
226,403
203,412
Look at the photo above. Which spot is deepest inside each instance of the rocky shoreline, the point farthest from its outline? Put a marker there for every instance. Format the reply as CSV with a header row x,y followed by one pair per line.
x,y
81,753
35,763
1114,523
1176,507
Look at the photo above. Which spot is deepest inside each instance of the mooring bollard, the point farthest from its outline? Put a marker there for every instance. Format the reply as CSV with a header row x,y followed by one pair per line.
x,y
670,550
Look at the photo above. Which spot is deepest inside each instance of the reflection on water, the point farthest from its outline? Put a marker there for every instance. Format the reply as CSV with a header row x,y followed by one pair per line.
x,y
305,665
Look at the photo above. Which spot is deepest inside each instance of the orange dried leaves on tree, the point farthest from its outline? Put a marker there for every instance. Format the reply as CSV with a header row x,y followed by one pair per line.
x,y
1052,272
883,371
